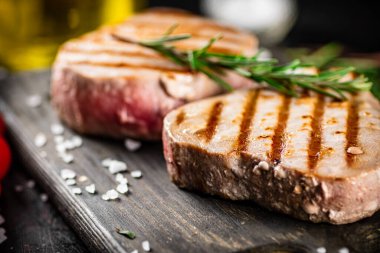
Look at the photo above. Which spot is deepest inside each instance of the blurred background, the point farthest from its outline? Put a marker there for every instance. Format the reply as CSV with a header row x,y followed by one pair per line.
x,y
32,30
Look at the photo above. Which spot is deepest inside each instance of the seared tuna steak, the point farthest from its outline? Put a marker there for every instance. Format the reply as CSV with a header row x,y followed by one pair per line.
x,y
309,157
103,86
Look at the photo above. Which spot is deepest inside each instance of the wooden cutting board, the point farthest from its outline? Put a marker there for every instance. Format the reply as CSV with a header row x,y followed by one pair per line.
x,y
171,219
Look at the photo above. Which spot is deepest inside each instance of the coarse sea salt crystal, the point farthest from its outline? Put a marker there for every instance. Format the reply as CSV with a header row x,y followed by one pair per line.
x,y
343,250
40,140
68,174
321,250
59,139
106,162
112,194
76,191
90,188
132,145
146,246
121,179
57,129
71,182
77,141
105,197
44,197
67,158
34,101
19,188
30,184
135,251
82,178
136,174
122,188
3,238
117,166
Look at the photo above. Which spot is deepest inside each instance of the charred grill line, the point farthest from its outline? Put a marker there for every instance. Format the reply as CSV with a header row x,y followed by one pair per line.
x,y
352,130
126,65
212,122
180,117
245,125
315,142
278,137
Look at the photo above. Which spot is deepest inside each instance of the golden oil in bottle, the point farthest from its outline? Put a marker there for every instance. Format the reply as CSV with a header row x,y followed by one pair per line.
x,y
32,30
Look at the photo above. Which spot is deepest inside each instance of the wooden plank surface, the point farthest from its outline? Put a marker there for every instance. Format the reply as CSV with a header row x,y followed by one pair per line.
x,y
31,224
172,220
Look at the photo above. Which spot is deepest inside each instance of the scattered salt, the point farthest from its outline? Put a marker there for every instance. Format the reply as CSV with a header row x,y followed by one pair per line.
x,y
44,197
321,250
132,145
76,191
121,179
90,188
30,184
77,141
146,246
19,188
343,250
82,178
68,174
57,129
122,188
117,166
40,140
34,101
71,182
67,158
136,174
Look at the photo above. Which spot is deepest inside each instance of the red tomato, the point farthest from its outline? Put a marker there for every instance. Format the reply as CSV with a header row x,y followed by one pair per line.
x,y
5,157
2,126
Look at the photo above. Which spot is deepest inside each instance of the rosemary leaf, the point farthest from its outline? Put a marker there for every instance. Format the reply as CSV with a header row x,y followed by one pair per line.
x,y
126,233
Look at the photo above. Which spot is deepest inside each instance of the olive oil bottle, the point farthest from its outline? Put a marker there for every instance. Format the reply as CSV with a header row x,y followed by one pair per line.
x,y
32,30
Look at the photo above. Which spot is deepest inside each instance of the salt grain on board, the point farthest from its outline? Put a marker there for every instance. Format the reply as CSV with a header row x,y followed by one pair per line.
x,y
30,184
57,129
82,178
19,188
77,141
344,250
136,174
68,174
117,166
90,188
321,250
71,182
67,158
34,101
146,246
135,251
122,188
44,197
121,179
76,191
132,145
40,140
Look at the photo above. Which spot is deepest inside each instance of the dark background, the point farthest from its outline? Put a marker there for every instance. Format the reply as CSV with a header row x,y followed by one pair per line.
x,y
354,23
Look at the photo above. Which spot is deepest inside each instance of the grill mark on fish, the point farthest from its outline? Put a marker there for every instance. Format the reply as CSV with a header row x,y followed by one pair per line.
x,y
352,130
278,137
112,52
249,112
126,65
213,120
181,116
315,143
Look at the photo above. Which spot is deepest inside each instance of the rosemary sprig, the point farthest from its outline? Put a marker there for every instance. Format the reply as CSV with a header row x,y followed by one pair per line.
x,y
287,78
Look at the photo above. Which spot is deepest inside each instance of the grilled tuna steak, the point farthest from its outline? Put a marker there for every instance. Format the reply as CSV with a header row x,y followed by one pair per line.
x,y
310,157
103,86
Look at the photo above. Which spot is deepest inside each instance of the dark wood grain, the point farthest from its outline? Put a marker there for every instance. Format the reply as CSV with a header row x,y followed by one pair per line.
x,y
172,220
31,224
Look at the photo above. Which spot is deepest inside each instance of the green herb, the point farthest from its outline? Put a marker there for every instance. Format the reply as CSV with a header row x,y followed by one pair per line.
x,y
126,233
287,78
